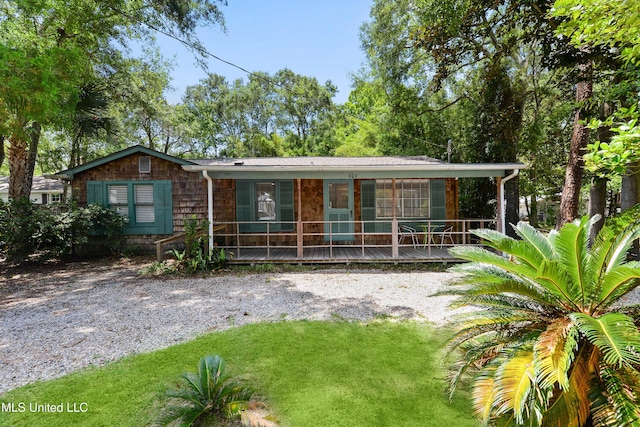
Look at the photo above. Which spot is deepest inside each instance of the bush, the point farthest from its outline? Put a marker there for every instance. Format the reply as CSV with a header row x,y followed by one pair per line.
x,y
196,257
209,396
51,231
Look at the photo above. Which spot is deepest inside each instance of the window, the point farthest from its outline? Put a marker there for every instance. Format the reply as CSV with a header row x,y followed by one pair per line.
x,y
147,205
266,203
119,199
412,198
144,203
56,198
144,164
259,202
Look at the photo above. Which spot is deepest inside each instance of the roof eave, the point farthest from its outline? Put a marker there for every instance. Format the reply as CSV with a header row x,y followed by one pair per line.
x,y
445,170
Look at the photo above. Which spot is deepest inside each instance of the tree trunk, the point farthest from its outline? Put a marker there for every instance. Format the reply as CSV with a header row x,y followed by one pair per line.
x,y
573,177
2,137
513,206
598,190
629,198
533,211
597,204
22,161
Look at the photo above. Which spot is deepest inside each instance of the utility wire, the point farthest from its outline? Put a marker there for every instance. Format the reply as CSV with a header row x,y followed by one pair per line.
x,y
205,52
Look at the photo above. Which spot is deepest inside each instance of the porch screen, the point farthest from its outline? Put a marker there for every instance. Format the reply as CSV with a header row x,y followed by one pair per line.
x,y
412,198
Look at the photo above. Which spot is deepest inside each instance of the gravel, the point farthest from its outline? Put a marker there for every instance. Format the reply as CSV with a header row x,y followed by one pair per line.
x,y
60,321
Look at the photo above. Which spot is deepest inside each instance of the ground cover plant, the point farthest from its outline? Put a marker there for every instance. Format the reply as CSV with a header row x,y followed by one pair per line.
x,y
309,373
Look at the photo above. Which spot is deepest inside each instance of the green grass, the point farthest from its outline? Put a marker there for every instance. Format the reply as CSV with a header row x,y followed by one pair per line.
x,y
310,373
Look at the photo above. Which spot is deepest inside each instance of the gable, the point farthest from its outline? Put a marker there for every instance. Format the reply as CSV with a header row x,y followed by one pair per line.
x,y
118,158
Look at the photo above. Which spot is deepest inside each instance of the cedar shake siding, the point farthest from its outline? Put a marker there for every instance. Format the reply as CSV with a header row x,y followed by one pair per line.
x,y
187,191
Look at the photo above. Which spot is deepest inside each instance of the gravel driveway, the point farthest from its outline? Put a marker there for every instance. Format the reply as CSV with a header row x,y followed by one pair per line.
x,y
58,321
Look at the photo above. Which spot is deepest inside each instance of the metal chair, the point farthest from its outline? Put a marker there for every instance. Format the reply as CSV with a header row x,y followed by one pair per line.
x,y
406,231
447,233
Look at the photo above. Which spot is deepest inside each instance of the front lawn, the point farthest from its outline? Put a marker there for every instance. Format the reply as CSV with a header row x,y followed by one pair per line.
x,y
310,373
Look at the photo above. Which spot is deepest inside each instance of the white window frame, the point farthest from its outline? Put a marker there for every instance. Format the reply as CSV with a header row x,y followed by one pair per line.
x,y
413,198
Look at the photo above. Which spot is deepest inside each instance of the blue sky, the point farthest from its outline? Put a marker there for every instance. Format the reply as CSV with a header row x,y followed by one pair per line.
x,y
312,38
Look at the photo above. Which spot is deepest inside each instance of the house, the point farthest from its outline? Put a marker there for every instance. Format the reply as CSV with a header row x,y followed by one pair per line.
x,y
43,190
322,209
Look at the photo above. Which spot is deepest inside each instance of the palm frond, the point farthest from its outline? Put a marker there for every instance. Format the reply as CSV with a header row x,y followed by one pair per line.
x,y
514,380
570,408
572,246
504,301
617,283
485,279
484,256
614,334
483,394
554,352
535,238
522,250
474,354
616,253
622,396
553,277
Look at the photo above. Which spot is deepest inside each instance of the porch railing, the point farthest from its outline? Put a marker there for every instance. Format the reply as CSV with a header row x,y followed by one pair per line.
x,y
304,236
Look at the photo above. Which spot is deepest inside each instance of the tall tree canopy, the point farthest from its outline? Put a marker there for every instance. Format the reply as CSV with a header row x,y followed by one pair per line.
x,y
49,49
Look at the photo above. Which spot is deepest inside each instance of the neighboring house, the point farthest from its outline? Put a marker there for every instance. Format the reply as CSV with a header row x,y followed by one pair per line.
x,y
44,191
323,209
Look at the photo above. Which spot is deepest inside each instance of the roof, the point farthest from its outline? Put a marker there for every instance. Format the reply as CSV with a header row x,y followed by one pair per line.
x,y
321,161
40,185
316,167
347,167
69,173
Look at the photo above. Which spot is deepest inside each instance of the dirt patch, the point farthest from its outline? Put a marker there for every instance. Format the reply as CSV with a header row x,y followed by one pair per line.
x,y
35,278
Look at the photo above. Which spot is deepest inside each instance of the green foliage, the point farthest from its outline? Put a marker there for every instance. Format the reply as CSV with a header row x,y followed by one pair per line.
x,y
283,114
548,319
311,373
59,230
590,23
195,258
209,395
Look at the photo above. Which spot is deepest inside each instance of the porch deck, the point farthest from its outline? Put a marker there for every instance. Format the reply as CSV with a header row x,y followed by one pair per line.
x,y
339,255
307,243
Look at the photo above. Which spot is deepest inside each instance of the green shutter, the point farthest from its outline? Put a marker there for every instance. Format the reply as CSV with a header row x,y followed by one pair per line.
x,y
244,204
286,204
438,193
163,202
368,204
95,192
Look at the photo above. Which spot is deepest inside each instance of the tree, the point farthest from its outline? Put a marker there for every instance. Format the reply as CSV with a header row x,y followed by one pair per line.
x,y
589,24
551,342
49,49
138,91
303,106
90,120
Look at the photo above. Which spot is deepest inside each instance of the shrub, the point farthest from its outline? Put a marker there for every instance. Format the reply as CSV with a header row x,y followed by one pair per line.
x,y
209,395
196,257
52,231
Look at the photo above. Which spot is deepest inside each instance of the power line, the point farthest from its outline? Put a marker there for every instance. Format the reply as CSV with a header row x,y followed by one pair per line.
x,y
205,52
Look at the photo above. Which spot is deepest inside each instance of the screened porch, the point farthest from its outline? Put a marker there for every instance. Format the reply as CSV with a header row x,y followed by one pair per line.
x,y
305,242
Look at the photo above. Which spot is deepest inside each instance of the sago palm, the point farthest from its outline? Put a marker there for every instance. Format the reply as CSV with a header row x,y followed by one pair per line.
x,y
209,396
549,342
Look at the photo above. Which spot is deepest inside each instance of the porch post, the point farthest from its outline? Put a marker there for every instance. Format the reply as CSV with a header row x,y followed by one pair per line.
x,y
499,206
394,222
209,208
299,234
